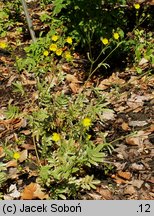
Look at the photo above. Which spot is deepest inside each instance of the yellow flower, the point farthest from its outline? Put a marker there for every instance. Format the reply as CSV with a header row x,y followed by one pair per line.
x,y
3,45
55,37
16,155
105,41
53,47
68,55
69,40
86,122
55,137
116,36
137,6
46,53
59,52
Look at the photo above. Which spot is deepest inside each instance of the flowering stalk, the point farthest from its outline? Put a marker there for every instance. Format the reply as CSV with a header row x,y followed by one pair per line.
x,y
102,63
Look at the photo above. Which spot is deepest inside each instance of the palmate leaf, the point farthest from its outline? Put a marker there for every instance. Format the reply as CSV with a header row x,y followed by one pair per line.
x,y
12,111
88,182
59,5
94,154
44,172
18,87
40,115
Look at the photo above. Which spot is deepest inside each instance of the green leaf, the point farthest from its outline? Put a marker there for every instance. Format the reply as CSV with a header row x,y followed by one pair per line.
x,y
44,172
12,111
18,87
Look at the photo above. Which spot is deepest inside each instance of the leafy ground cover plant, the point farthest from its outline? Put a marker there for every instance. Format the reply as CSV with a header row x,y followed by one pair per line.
x,y
8,14
65,143
72,27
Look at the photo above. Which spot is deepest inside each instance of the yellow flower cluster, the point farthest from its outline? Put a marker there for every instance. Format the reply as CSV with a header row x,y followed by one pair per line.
x,y
57,50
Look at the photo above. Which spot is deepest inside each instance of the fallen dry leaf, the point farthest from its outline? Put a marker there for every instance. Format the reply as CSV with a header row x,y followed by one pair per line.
x,y
125,126
28,146
129,190
151,129
136,166
13,192
112,80
150,2
132,140
72,79
137,183
137,139
105,193
124,175
25,132
137,123
9,83
66,67
33,191
74,87
118,180
23,156
13,172
29,190
151,180
12,163
2,154
39,193
136,101
26,81
95,196
143,62
108,114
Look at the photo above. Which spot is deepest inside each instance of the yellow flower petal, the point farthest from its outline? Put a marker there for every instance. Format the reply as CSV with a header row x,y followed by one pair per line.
x,y
86,122
46,53
69,40
137,6
116,36
16,155
55,137
55,37
105,41
59,52
3,45
68,55
53,47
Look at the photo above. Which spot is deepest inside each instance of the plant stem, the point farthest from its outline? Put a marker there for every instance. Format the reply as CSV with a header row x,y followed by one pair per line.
x,y
36,152
92,62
